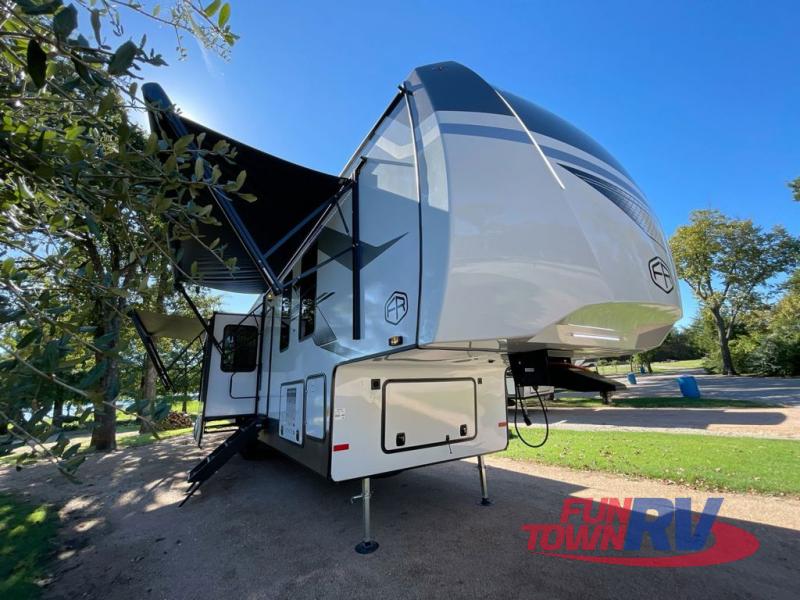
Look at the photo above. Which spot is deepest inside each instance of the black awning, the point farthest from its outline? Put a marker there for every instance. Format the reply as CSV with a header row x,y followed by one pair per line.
x,y
287,195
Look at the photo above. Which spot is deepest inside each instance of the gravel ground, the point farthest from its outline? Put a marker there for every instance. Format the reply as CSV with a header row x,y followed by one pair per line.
x,y
271,529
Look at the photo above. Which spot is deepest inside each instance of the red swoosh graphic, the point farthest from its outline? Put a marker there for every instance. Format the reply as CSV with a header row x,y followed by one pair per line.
x,y
730,543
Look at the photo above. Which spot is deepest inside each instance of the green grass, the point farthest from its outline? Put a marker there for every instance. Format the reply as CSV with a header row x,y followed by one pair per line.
x,y
134,441
128,441
658,367
27,534
674,402
707,462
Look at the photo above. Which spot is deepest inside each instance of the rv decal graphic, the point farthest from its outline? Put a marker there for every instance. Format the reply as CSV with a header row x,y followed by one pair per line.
x,y
660,274
641,532
396,308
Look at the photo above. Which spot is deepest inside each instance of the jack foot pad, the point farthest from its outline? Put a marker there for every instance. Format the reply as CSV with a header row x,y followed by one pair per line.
x,y
367,547
486,502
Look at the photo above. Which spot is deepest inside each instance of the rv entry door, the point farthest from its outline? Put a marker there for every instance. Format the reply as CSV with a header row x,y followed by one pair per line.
x,y
230,370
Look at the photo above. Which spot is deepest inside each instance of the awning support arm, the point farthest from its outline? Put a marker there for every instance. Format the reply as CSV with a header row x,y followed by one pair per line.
x,y
199,315
182,352
333,200
152,351
357,254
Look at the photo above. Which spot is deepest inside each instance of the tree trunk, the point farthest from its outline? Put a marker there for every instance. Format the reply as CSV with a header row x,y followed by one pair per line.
x,y
58,410
104,433
724,347
148,388
148,391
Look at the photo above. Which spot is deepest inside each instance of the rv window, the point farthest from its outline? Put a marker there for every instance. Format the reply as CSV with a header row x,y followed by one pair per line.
x,y
239,348
308,293
286,317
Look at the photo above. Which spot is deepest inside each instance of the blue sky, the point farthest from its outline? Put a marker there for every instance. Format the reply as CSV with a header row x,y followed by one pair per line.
x,y
699,100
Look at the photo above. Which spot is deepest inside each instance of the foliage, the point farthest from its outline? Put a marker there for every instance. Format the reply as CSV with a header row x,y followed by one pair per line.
x,y
678,345
795,186
776,351
709,462
89,203
27,534
730,264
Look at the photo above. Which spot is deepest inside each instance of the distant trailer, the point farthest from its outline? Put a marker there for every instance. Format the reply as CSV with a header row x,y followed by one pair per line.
x,y
470,232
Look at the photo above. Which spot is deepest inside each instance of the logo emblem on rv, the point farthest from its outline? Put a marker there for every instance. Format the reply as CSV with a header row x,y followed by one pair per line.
x,y
396,308
660,274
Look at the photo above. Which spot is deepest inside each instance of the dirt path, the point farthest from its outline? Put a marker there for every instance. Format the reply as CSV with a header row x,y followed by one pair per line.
x,y
273,530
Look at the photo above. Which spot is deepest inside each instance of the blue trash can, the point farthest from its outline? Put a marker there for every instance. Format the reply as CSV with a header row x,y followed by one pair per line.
x,y
688,386
632,378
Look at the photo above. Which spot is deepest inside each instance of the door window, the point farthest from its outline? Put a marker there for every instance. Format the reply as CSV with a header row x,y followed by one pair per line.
x,y
239,348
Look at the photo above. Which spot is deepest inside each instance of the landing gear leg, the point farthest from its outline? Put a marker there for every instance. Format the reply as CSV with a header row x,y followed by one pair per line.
x,y
367,545
484,490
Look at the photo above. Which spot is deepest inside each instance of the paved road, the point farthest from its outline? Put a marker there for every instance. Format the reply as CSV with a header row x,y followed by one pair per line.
x,y
766,422
274,530
783,391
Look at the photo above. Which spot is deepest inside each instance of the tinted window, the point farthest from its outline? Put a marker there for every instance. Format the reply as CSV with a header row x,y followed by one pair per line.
x,y
308,293
239,348
286,318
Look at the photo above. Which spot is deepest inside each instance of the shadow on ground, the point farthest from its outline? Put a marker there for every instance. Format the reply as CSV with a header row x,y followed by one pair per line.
x,y
271,529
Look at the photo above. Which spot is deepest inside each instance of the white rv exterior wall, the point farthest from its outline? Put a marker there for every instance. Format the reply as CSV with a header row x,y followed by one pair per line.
x,y
511,255
358,410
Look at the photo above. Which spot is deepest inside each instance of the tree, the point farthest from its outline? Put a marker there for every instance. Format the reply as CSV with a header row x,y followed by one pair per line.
x,y
795,186
777,350
730,264
85,200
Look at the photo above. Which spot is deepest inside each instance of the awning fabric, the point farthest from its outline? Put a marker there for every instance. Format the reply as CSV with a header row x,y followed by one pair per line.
x,y
158,325
287,193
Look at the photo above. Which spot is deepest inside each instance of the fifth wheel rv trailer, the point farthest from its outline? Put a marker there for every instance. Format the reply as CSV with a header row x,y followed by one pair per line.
x,y
471,232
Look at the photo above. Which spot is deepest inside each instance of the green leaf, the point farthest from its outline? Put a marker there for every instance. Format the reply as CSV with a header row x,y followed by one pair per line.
x,y
248,197
33,8
104,341
93,376
161,411
37,63
224,15
96,26
239,182
162,203
34,335
82,71
212,8
123,57
65,21
107,102
71,451
182,143
199,169
151,145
